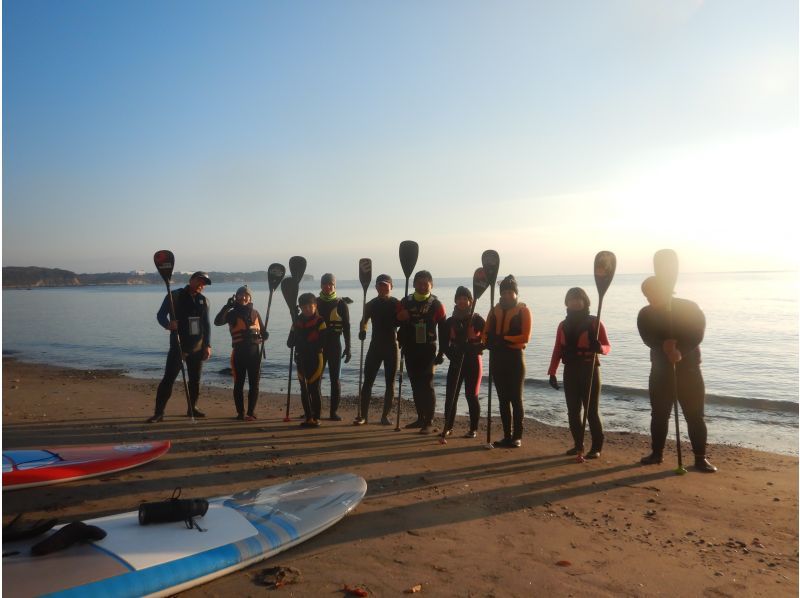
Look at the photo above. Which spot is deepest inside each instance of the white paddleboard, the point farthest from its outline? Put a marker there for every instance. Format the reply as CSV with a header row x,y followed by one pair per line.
x,y
163,559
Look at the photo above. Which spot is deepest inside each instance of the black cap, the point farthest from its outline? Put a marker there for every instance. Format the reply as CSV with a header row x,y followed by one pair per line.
x,y
423,274
384,278
201,274
509,283
307,299
463,292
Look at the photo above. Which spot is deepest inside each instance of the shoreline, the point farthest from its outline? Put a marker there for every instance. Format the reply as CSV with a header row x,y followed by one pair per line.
x,y
458,519
216,380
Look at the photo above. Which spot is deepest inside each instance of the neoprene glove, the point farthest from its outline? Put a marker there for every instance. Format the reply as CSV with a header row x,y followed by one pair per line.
x,y
362,335
290,340
264,335
346,354
231,302
439,359
595,346
554,382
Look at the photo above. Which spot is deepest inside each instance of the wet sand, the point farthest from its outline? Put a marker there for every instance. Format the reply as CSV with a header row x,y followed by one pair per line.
x,y
457,520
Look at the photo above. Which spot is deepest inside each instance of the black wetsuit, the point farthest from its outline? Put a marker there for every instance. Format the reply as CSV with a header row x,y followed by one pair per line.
x,y
246,330
382,349
463,339
688,328
507,332
337,319
572,346
308,337
418,339
194,328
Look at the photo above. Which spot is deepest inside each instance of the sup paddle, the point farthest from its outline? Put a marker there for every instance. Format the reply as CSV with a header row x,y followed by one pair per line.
x,y
605,265
289,288
665,266
409,253
479,285
365,277
491,265
297,268
165,262
275,274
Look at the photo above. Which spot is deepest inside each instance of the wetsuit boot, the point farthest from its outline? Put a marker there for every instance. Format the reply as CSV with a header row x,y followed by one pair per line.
x,y
703,465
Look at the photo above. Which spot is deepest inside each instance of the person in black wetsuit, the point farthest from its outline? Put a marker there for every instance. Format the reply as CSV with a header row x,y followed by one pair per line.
x,y
419,315
673,329
337,319
382,310
507,332
461,342
577,342
307,336
192,324
247,334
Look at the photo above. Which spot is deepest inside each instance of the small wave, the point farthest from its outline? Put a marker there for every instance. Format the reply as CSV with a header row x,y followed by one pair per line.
x,y
755,404
624,393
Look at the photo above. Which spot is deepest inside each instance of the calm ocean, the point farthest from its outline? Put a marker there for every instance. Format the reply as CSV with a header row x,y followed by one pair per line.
x,y
750,352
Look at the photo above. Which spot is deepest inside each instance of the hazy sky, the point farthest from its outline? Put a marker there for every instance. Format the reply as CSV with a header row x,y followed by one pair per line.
x,y
238,133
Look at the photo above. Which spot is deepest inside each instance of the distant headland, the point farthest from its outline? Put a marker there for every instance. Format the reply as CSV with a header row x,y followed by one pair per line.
x,y
30,277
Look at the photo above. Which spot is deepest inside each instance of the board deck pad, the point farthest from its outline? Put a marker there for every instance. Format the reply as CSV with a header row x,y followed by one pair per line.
x,y
28,468
163,559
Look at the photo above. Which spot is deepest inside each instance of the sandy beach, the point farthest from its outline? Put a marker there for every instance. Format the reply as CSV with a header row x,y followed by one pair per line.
x,y
457,520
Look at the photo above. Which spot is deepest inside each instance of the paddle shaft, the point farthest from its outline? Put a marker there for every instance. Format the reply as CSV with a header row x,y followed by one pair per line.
x,y
680,468
180,352
361,358
266,321
400,374
595,361
489,392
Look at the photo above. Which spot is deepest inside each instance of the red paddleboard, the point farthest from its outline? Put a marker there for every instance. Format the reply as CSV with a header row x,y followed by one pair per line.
x,y
26,468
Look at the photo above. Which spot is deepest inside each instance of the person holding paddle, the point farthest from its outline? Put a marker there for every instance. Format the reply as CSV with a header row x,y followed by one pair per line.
x,y
192,326
507,332
382,311
461,342
247,335
419,314
578,341
336,314
673,329
307,337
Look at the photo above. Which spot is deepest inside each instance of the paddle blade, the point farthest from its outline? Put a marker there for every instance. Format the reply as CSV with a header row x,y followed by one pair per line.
x,y
479,284
605,265
289,288
365,272
491,265
665,266
275,274
297,267
165,262
409,252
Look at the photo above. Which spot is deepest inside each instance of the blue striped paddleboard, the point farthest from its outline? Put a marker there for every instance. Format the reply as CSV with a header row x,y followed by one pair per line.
x,y
167,558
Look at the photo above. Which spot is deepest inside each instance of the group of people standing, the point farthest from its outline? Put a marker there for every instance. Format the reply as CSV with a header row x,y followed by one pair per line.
x,y
411,327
